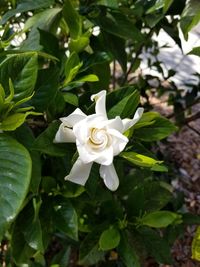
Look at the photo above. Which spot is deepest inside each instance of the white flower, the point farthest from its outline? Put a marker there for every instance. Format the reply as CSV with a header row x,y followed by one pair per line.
x,y
97,138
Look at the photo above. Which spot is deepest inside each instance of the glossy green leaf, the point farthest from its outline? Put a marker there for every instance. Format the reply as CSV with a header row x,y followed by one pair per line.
x,y
15,176
25,136
23,73
153,127
159,219
143,161
126,107
65,218
26,5
109,239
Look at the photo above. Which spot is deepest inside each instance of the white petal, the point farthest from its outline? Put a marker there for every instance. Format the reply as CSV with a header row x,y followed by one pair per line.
x,y
110,177
82,128
88,155
79,172
73,118
128,123
119,141
64,135
100,100
115,123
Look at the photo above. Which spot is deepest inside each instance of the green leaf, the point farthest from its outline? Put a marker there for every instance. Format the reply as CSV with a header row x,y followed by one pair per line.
x,y
195,51
65,218
89,251
118,24
190,16
72,67
22,69
109,239
27,234
159,219
127,252
88,78
143,161
12,122
71,99
72,19
156,246
25,136
196,245
116,46
42,20
167,4
79,44
153,127
190,219
46,89
44,142
126,107
26,5
15,175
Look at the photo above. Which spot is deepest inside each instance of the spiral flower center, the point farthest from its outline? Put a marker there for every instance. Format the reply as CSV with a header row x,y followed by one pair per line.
x,y
99,138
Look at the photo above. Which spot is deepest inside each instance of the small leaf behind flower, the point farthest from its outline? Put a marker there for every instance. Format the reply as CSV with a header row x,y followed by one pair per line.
x,y
144,161
109,239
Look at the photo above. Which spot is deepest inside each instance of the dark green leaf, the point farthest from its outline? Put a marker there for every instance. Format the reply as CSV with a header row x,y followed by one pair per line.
x,y
65,218
153,127
44,142
89,250
127,252
156,246
190,219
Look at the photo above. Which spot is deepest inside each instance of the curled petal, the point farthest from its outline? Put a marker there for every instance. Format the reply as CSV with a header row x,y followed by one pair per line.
x,y
64,135
73,118
79,172
100,100
119,141
128,123
110,177
82,129
88,155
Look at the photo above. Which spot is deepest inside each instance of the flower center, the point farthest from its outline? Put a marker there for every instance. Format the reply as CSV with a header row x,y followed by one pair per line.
x,y
99,138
